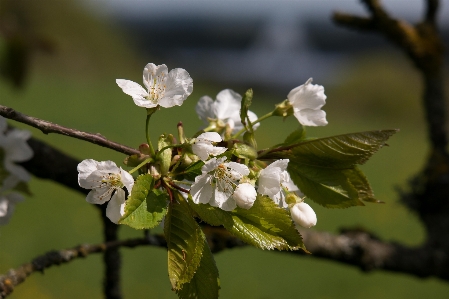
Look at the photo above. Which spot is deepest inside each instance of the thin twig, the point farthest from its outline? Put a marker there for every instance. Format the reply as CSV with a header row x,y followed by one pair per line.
x,y
48,127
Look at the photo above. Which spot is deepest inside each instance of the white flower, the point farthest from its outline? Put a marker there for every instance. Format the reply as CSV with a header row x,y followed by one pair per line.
x,y
106,181
217,183
14,148
302,214
7,206
307,100
224,110
164,88
273,179
203,147
245,195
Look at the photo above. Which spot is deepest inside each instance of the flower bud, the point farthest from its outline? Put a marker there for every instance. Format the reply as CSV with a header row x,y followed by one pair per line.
x,y
303,215
245,195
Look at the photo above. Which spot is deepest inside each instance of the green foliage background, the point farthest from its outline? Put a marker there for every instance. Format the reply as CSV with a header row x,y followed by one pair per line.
x,y
76,87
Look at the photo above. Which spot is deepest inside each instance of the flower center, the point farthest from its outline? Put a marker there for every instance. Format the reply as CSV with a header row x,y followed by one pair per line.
x,y
225,180
156,87
113,180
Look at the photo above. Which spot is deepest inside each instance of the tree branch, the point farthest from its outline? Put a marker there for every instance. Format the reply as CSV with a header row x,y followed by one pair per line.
x,y
47,127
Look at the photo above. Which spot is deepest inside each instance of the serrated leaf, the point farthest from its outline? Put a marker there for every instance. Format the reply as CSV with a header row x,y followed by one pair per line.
x,y
265,225
136,211
341,151
205,284
361,184
327,187
157,201
185,242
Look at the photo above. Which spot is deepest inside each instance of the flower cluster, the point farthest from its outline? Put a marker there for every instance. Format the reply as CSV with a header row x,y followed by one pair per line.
x,y
13,149
225,179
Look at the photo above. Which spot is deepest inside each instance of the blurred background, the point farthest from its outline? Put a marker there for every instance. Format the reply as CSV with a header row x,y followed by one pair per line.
x,y
59,60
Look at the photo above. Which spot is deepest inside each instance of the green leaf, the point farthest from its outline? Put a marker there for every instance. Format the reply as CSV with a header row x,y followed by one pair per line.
x,y
137,214
341,151
361,184
296,136
194,170
185,242
157,201
246,102
205,284
325,169
327,187
244,151
265,225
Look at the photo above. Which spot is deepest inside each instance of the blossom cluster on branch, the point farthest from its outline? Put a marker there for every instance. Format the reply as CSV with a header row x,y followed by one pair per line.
x,y
219,176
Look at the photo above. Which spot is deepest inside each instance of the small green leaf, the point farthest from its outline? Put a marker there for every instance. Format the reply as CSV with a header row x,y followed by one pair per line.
x,y
185,242
296,136
136,211
265,225
205,284
194,170
244,151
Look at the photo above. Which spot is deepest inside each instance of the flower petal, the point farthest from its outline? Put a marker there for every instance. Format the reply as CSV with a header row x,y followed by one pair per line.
x,y
227,104
127,179
150,71
86,167
131,88
223,200
210,136
240,168
179,86
116,206
307,96
201,191
205,109
308,117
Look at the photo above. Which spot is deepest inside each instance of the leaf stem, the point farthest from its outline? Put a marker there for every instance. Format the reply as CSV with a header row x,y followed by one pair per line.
x,y
253,123
147,160
150,112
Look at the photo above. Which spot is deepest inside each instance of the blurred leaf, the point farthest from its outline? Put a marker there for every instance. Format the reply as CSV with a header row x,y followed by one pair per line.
x,y
137,214
185,242
265,225
205,284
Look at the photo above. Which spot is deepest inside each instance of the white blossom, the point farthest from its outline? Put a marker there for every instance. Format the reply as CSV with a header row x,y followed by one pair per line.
x,y
273,179
245,195
14,148
163,88
217,183
225,110
307,100
7,206
202,147
302,214
106,181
